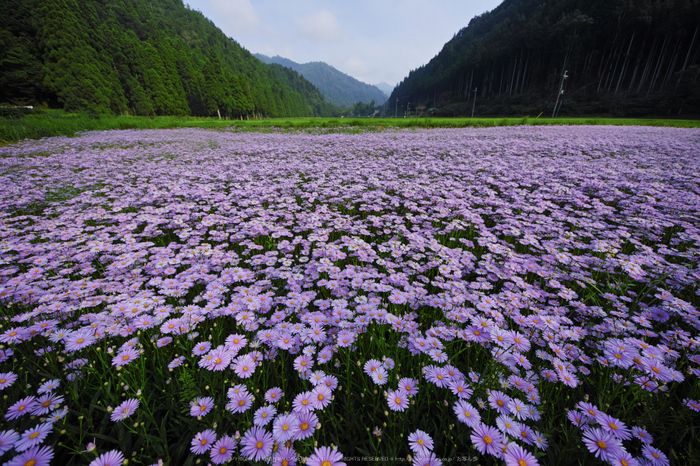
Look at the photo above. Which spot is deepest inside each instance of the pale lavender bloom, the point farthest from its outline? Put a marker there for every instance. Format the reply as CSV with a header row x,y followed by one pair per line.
x,y
201,406
111,458
264,415
202,442
125,410
326,456
34,436
420,442
256,444
8,438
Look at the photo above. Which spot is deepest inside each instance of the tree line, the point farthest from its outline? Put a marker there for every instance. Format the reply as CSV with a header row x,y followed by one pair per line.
x,y
622,57
143,57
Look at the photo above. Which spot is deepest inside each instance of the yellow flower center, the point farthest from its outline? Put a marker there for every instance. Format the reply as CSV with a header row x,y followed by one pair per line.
x,y
259,445
488,440
601,445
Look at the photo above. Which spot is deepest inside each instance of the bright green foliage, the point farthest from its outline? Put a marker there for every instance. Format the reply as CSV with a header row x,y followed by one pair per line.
x,y
140,57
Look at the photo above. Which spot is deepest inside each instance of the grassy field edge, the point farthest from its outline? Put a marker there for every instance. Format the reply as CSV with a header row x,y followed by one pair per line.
x,y
36,126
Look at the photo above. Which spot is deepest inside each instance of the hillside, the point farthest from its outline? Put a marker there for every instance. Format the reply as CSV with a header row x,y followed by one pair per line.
x,y
622,57
145,57
337,87
386,88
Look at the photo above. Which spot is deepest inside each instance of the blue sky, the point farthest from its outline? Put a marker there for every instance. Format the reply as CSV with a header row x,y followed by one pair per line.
x,y
372,40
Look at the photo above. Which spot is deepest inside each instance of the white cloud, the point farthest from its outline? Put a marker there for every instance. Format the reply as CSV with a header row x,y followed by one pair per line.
x,y
356,67
236,16
321,26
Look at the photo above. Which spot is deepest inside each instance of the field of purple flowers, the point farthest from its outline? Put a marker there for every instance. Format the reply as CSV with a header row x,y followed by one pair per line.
x,y
518,295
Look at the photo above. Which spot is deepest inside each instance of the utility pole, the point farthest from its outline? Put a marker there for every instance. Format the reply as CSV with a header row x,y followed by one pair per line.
x,y
474,103
561,91
408,105
396,108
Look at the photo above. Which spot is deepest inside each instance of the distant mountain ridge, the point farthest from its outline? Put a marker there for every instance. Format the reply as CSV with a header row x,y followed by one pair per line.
x,y
337,87
385,88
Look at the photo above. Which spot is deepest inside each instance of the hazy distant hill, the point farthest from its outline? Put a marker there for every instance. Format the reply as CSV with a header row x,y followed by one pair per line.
x,y
385,88
337,87
146,57
639,57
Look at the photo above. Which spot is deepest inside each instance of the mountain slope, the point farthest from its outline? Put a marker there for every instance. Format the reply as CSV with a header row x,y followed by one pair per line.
x,y
148,57
337,87
623,57
386,88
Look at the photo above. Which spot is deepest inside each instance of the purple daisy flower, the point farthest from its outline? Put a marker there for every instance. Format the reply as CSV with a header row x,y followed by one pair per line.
x,y
437,375
46,403
45,387
245,366
329,381
35,456
177,362
125,356
642,435
410,386
321,396
125,409
201,443
518,456
241,402
285,427
324,456
304,402
307,423
201,406
264,415
460,388
397,399
111,458
7,379
273,395
222,451
420,442
692,404
614,426
602,444
165,341
284,457
499,401
380,376
467,413
8,438
486,439
256,444
623,458
303,363
78,340
235,342
201,348
22,407
655,456
32,437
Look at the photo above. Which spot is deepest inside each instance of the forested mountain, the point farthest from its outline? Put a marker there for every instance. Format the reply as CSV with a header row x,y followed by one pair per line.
x,y
145,57
386,88
622,57
337,87
314,98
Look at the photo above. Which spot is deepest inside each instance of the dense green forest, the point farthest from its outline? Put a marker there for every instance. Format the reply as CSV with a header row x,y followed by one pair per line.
x,y
144,57
337,87
621,57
